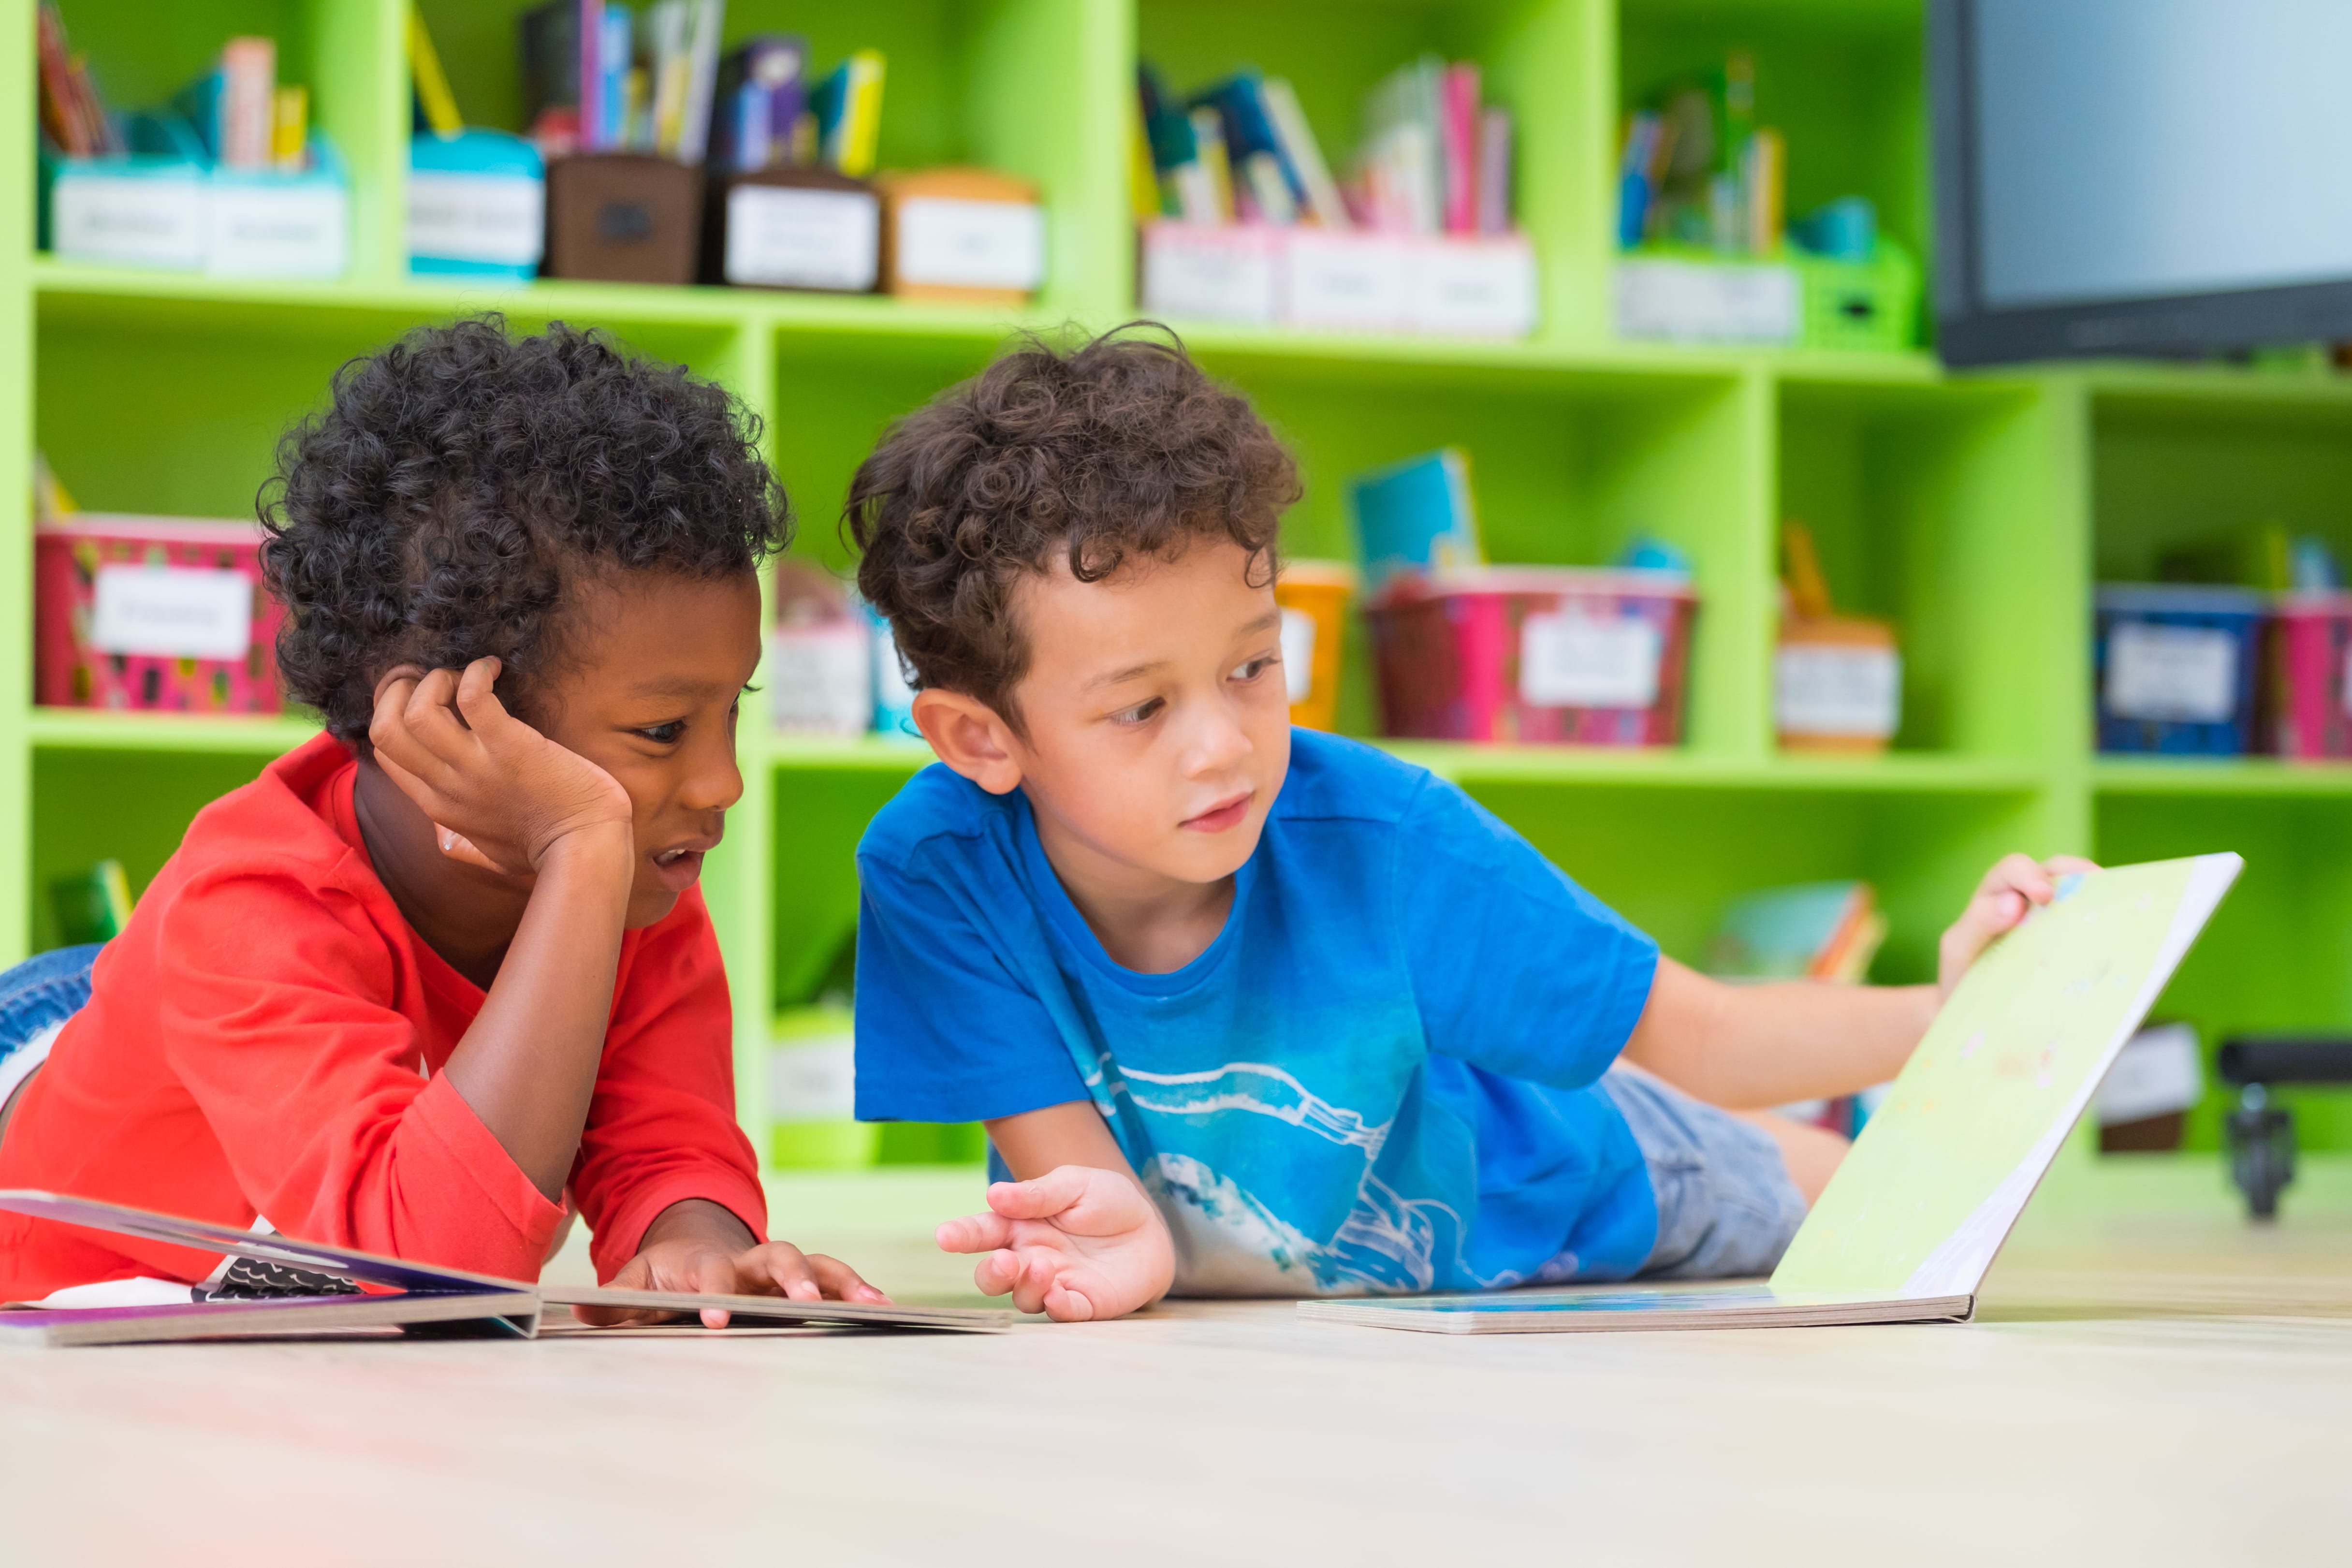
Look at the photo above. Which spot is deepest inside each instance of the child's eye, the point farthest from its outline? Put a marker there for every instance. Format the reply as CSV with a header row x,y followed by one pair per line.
x,y
664,734
1142,713
1255,667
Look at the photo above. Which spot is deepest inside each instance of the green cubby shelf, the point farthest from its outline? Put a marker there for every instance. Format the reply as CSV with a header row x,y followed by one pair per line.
x,y
1977,511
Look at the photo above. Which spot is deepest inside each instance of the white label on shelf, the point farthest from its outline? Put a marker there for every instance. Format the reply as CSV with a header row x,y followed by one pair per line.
x,y
1472,287
1690,301
1298,654
299,228
1832,689
2158,1072
173,612
1209,273
820,680
143,221
2182,675
498,219
813,1079
1344,280
1569,659
788,238
971,244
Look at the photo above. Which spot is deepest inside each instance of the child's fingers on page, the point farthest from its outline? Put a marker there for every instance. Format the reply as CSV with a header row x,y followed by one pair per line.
x,y
2068,864
843,1283
974,1233
785,1267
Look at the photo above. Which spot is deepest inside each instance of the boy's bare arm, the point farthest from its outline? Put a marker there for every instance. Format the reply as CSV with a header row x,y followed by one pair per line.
x,y
1075,1236
1748,1047
524,806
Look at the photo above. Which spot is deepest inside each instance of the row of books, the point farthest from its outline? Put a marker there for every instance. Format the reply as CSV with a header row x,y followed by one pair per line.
x,y
236,116
1434,160
600,77
1696,170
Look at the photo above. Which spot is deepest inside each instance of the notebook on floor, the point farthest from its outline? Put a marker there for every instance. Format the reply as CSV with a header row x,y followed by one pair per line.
x,y
1909,1226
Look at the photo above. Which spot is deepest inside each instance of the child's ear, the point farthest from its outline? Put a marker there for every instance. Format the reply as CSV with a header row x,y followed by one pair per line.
x,y
969,737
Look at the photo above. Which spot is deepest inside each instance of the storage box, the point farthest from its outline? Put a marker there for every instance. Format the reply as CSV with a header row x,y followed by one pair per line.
x,y
154,612
1796,299
2175,667
2309,696
1534,654
793,229
623,217
477,205
812,1092
177,213
1837,685
1314,597
962,237
820,674
1321,279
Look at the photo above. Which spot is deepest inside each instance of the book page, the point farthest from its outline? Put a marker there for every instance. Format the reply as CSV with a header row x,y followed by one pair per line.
x,y
1942,1170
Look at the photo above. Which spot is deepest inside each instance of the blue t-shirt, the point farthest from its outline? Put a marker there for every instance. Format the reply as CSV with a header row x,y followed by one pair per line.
x,y
1379,1077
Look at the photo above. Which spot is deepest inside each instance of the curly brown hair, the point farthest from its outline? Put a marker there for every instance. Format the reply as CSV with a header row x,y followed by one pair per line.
x,y
434,512
1120,448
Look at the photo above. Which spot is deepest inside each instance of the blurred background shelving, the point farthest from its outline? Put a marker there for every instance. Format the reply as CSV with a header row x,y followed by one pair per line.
x,y
1976,511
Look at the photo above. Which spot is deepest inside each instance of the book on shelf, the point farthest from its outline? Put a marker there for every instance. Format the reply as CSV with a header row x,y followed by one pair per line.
x,y
607,77
1417,517
73,115
848,107
762,102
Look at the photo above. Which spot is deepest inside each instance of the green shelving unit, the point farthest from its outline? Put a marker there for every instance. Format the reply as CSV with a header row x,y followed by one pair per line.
x,y
1977,511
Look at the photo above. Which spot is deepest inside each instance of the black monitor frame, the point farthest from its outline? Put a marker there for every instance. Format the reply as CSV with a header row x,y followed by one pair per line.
x,y
1971,333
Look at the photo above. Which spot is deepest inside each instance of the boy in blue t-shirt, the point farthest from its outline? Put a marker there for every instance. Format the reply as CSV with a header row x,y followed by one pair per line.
x,y
1250,1010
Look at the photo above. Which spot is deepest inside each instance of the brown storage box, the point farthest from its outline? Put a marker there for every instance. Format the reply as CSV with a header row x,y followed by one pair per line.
x,y
793,229
623,217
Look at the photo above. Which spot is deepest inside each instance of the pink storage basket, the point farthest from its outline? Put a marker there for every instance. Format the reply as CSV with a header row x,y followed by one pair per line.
x,y
2310,695
1541,655
157,613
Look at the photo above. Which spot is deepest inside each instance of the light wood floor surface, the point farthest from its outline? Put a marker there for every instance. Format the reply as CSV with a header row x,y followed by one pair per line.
x,y
2150,1387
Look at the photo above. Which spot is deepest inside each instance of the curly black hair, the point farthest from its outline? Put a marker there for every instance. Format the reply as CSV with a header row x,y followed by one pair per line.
x,y
1120,447
434,512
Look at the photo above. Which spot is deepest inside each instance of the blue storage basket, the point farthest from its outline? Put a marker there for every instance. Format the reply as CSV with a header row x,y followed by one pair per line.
x,y
2174,667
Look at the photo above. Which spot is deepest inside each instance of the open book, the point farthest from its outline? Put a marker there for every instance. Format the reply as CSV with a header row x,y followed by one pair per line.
x,y
274,1285
1910,1223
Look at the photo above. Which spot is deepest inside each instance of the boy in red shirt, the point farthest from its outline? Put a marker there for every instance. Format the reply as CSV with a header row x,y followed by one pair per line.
x,y
447,965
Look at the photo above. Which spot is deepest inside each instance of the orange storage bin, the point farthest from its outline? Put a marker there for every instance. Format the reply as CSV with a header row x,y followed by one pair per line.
x,y
1313,596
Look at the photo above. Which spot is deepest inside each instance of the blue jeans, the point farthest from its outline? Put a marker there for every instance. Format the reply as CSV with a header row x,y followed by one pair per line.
x,y
36,997
1726,1204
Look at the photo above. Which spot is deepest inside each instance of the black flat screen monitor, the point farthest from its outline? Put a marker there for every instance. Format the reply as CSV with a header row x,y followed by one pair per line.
x,y
2140,177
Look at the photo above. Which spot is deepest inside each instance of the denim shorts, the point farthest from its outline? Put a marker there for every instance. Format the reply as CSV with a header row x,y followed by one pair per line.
x,y
35,999
1726,1204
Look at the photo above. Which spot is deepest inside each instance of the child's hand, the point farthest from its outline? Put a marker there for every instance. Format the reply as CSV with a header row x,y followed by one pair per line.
x,y
501,793
708,1266
2013,886
1078,1243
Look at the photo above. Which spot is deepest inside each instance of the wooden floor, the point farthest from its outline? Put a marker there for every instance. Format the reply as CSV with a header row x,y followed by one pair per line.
x,y
2152,1382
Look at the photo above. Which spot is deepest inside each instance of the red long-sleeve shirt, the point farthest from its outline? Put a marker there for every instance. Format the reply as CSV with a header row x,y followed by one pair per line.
x,y
266,1041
